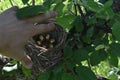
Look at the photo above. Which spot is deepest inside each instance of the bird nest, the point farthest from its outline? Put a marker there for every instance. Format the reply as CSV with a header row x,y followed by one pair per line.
x,y
45,49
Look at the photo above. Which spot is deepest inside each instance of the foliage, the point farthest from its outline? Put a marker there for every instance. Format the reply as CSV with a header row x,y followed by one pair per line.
x,y
93,42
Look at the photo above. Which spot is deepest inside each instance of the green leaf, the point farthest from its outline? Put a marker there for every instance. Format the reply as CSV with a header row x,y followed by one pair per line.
x,y
25,1
30,11
65,21
67,76
112,76
59,8
105,13
118,72
113,60
91,20
85,73
56,76
44,75
48,3
11,63
78,24
90,31
101,46
115,49
92,5
26,71
97,56
116,30
70,64
68,52
108,4
80,55
58,68
86,39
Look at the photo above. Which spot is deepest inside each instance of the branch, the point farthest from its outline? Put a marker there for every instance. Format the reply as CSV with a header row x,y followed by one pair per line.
x,y
11,2
75,6
33,2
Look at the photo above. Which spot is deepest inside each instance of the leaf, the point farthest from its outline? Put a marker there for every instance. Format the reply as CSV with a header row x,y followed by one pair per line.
x,y
44,75
86,39
68,52
25,1
106,12
48,3
80,55
67,76
92,5
59,8
90,20
101,46
58,68
113,60
118,72
90,31
85,73
65,21
11,63
112,76
70,64
56,76
30,11
78,24
116,30
108,4
115,49
97,56
26,71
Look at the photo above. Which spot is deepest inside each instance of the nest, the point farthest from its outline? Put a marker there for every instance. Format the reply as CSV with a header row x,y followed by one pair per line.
x,y
45,49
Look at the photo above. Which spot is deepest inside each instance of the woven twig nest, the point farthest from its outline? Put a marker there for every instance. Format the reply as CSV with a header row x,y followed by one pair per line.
x,y
45,49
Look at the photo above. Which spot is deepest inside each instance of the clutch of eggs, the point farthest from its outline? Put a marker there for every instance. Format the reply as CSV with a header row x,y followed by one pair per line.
x,y
45,40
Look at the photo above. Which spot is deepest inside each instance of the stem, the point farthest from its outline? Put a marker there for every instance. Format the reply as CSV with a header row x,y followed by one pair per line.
x,y
75,6
80,10
33,2
88,62
11,2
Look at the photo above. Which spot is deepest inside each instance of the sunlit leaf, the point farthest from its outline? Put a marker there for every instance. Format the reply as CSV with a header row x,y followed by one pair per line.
x,y
65,21
112,76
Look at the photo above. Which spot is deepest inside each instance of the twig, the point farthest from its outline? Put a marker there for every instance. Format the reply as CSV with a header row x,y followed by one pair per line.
x,y
33,2
80,10
75,6
88,62
11,2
